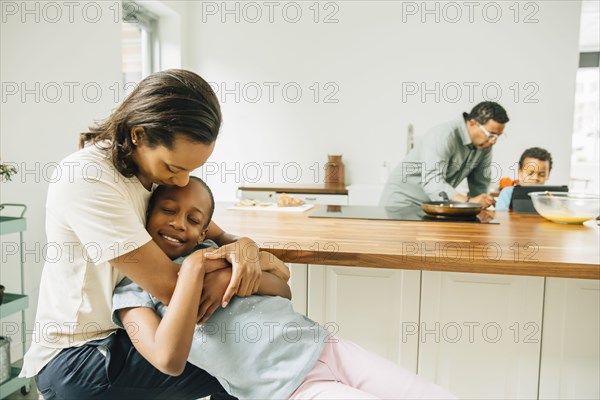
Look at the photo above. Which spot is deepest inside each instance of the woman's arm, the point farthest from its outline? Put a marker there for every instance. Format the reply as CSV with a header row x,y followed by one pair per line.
x,y
97,212
149,267
166,343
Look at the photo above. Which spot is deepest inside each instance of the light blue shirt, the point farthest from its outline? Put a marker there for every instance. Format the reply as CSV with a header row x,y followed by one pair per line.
x,y
504,198
439,162
257,347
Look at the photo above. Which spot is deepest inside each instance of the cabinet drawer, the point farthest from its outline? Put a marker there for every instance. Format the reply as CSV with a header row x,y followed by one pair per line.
x,y
272,196
326,199
259,195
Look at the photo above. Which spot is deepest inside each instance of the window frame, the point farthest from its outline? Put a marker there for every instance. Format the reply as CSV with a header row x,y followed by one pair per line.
x,y
148,23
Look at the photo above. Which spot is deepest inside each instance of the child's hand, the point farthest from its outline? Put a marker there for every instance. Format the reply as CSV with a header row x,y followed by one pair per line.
x,y
193,265
245,263
198,259
213,291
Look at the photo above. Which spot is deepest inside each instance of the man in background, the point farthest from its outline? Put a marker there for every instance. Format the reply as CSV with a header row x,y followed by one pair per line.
x,y
449,153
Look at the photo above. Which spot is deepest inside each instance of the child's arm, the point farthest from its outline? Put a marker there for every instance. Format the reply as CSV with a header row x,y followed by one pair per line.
x,y
166,343
272,264
216,282
272,285
222,238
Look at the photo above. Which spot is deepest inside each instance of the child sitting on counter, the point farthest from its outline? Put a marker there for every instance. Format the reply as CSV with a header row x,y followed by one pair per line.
x,y
535,165
257,347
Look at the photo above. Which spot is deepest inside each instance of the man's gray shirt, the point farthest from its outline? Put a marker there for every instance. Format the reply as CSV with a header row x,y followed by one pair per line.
x,y
439,162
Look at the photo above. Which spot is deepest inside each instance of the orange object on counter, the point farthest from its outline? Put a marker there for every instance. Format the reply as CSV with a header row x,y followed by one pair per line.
x,y
506,182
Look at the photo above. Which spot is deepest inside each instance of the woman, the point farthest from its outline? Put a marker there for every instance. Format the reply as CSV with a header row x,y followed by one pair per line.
x,y
95,215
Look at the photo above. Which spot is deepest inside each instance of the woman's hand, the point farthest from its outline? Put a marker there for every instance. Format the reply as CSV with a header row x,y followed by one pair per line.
x,y
245,262
213,291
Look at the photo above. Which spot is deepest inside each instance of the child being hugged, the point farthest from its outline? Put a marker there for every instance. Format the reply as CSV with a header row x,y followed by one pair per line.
x,y
257,347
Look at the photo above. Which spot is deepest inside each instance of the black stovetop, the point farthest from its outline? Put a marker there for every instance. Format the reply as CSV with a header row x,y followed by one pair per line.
x,y
411,213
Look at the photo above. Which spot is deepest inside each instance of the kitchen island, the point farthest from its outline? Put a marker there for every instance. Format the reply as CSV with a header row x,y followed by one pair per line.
x,y
508,310
521,244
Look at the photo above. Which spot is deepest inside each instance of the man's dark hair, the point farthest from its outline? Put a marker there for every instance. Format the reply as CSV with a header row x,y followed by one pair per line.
x,y
538,153
162,188
487,110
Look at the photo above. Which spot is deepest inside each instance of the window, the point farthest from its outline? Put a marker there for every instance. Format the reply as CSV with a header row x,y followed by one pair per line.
x,y
139,45
585,156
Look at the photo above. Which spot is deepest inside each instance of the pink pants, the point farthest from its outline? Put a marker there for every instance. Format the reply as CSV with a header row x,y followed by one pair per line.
x,y
347,371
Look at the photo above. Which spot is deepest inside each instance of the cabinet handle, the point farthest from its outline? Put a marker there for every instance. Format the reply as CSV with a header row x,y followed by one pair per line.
x,y
310,198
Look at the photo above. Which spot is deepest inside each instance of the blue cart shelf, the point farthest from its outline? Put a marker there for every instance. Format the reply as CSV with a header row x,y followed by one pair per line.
x,y
15,302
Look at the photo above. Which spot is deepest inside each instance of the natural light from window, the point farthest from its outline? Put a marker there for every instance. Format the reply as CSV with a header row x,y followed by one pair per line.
x,y
131,52
138,44
585,158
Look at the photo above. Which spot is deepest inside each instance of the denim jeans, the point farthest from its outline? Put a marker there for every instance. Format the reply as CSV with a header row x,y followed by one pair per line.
x,y
112,368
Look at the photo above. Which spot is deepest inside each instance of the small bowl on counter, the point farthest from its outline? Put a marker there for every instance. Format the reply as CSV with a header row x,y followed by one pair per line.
x,y
566,208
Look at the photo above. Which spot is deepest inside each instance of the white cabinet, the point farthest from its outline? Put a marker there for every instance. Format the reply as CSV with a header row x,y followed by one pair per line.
x,y
259,195
365,194
324,199
299,286
310,198
375,308
480,334
570,365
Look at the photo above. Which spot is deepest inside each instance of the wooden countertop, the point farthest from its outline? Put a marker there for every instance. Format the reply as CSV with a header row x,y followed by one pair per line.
x,y
519,245
310,189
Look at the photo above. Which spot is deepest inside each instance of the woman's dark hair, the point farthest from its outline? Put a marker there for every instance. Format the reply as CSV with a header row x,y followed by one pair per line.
x,y
165,104
487,110
539,154
162,188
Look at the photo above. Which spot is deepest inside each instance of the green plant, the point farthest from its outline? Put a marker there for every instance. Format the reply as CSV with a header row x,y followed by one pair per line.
x,y
6,171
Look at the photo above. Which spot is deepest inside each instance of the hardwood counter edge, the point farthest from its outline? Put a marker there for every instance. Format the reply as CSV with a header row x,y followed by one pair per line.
x,y
431,263
307,190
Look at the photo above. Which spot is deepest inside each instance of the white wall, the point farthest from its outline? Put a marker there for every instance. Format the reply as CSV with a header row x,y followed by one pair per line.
x,y
373,52
172,32
47,53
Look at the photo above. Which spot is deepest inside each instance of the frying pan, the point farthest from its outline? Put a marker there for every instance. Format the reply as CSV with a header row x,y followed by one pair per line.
x,y
447,208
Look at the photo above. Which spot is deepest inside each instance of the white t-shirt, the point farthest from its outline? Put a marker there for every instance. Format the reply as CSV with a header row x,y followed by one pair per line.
x,y
93,215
